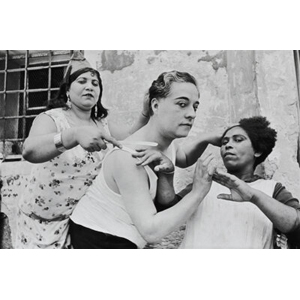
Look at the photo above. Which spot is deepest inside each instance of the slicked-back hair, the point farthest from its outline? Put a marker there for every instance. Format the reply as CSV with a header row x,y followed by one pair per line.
x,y
161,87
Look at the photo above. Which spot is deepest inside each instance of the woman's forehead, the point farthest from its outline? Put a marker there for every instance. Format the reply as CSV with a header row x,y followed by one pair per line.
x,y
178,89
237,130
89,74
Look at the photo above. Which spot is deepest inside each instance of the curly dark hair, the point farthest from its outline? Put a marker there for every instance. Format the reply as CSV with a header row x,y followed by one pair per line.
x,y
263,137
161,87
60,100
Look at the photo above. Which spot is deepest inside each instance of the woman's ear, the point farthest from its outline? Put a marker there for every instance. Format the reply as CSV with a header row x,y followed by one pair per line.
x,y
154,104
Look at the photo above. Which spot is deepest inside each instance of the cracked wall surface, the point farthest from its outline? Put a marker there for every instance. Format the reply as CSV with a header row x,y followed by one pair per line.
x,y
233,84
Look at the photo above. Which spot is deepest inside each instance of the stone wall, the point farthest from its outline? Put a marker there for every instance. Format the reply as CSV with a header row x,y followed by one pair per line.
x,y
233,84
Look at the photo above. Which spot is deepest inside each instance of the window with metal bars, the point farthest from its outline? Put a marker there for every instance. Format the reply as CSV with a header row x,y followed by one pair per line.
x,y
28,79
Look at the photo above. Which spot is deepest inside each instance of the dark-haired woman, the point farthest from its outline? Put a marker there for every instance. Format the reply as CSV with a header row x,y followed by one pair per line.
x,y
118,209
64,144
241,209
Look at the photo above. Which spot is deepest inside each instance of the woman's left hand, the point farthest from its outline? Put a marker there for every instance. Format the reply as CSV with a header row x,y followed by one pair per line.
x,y
160,161
240,190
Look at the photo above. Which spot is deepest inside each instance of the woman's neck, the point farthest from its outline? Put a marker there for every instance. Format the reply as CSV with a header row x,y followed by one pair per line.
x,y
150,133
245,175
80,115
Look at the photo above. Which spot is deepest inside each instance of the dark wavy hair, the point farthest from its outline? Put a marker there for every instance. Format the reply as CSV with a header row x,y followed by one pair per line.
x,y
60,100
262,136
161,87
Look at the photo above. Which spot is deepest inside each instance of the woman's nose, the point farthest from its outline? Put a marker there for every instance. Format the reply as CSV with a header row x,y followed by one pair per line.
x,y
191,114
228,145
89,86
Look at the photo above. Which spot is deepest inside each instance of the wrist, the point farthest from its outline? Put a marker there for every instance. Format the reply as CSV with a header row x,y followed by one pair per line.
x,y
69,137
253,198
57,140
167,172
200,191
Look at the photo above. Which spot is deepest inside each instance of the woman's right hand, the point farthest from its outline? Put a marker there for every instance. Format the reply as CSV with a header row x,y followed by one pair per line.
x,y
161,163
94,139
214,138
205,168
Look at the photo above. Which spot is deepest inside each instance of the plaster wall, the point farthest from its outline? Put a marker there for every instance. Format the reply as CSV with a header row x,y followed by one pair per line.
x,y
233,84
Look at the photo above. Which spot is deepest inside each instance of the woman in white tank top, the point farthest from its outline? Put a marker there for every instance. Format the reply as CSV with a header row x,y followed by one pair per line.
x,y
118,209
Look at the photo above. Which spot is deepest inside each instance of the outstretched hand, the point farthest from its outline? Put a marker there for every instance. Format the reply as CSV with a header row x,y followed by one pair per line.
x,y
94,139
205,168
160,162
240,190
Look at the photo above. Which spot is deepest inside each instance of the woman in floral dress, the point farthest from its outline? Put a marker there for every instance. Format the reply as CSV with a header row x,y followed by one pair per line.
x,y
66,144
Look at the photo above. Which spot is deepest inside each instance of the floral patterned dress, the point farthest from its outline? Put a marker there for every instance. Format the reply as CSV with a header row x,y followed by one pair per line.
x,y
52,192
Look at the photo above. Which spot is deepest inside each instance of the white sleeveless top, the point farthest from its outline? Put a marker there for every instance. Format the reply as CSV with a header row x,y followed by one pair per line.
x,y
222,224
103,210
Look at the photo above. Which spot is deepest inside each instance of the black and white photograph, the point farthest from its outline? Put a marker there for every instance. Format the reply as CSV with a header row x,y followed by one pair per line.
x,y
146,173
112,149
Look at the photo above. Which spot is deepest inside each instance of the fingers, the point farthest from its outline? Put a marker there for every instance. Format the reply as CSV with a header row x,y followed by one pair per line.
x,y
140,153
224,178
225,197
206,163
111,140
147,156
100,144
164,168
146,160
140,149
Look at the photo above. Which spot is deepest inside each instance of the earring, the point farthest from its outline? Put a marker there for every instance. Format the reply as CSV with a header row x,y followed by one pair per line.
x,y
96,111
69,103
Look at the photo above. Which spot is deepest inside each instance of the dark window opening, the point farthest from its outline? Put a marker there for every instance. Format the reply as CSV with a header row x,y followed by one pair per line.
x,y
28,79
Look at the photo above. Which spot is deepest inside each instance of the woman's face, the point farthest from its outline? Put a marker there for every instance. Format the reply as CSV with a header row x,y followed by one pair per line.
x,y
237,151
176,112
85,90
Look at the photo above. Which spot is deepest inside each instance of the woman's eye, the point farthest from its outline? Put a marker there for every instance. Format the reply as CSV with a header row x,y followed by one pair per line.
x,y
182,104
81,81
238,140
196,107
95,83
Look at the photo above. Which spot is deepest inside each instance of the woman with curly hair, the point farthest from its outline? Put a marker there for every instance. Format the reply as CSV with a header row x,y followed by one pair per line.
x,y
243,210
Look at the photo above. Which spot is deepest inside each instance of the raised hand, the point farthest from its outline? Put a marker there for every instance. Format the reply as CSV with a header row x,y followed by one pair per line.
x,y
214,138
240,190
160,162
94,139
205,168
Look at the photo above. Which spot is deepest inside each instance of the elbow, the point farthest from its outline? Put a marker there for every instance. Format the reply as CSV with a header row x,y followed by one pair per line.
x,y
151,235
151,238
28,155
